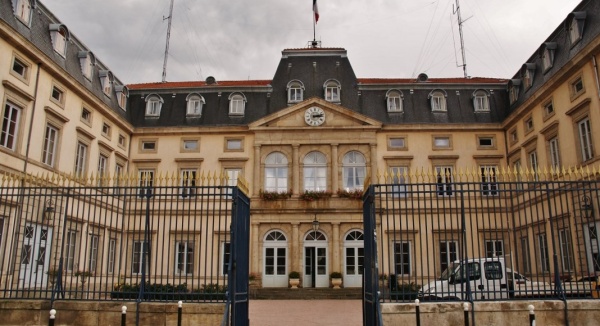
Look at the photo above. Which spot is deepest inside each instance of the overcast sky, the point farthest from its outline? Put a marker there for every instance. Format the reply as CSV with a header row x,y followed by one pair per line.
x,y
243,39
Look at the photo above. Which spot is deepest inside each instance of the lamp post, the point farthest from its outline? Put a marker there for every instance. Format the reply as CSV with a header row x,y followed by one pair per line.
x,y
587,208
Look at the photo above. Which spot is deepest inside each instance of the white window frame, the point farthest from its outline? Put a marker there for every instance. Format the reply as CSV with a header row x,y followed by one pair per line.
x,y
11,121
554,149
112,250
71,245
195,103
237,104
494,248
59,36
398,173
102,167
394,101
295,91
585,139
444,180
566,249
533,163
188,183
106,82
153,105
542,241
51,136
81,159
354,170
332,90
448,254
20,68
138,249
184,257
224,257
23,10
405,251
481,101
526,259
93,258
438,101
276,172
489,180
315,171
87,64
146,179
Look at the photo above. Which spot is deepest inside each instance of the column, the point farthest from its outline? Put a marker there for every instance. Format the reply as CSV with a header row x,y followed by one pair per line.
x,y
295,170
294,249
373,163
334,168
254,266
335,251
256,177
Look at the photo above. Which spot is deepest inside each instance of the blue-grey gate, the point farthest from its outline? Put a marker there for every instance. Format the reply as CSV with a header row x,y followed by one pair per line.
x,y
371,311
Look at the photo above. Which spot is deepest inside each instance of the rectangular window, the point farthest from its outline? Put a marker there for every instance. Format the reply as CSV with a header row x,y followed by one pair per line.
x,y
533,164
548,109
58,95
188,183
577,87
525,259
448,253
396,143
86,115
514,136
442,142
554,152
122,140
148,146
146,181
489,185
444,180
20,69
23,10
59,41
332,94
543,252
402,258
528,124
138,256
10,126
566,252
517,169
184,258
398,175
106,129
112,249
585,139
93,260
485,142
494,248
233,144
71,246
102,164
50,141
226,253
80,159
232,176
190,145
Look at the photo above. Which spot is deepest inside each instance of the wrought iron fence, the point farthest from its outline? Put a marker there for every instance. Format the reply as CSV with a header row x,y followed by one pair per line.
x,y
486,235
152,238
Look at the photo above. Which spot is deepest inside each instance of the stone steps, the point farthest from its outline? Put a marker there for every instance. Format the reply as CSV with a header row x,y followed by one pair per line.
x,y
305,294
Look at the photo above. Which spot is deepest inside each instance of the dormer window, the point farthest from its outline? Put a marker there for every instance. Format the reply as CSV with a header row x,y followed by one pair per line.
x,y
122,95
87,60
394,100
23,10
438,101
527,73
574,25
105,81
60,36
513,90
332,90
295,90
194,105
153,105
237,103
481,101
547,54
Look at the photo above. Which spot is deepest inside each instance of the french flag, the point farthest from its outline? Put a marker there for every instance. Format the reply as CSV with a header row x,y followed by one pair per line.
x,y
316,10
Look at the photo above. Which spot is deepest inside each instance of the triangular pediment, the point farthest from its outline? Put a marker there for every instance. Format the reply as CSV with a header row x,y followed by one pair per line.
x,y
296,116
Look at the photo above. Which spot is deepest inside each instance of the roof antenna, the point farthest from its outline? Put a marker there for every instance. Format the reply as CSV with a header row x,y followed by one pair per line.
x,y
164,72
462,40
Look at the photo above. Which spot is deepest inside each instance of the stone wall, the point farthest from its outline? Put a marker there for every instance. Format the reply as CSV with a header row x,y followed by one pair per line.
x,y
547,313
88,313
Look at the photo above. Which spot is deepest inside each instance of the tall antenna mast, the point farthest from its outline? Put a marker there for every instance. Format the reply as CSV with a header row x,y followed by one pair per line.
x,y
164,73
462,40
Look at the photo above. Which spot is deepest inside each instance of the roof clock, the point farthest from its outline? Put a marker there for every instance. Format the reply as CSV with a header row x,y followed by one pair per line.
x,y
314,116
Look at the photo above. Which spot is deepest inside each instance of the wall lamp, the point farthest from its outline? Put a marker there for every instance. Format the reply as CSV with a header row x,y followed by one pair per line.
x,y
49,210
315,224
587,208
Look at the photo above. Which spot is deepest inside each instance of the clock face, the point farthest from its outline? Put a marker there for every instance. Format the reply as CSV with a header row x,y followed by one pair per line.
x,y
314,116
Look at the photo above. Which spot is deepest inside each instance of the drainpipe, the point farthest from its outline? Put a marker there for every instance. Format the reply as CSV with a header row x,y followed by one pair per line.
x,y
596,75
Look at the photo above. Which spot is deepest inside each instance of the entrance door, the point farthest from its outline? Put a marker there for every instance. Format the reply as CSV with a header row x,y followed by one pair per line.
x,y
315,261
354,256
275,260
592,244
35,255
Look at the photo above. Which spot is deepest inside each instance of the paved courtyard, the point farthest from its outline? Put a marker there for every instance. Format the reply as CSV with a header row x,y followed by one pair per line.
x,y
305,313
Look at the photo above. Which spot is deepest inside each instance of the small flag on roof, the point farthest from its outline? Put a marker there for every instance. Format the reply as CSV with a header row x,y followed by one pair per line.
x,y
316,10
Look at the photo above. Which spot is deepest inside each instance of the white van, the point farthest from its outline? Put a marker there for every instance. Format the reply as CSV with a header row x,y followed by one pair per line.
x,y
486,278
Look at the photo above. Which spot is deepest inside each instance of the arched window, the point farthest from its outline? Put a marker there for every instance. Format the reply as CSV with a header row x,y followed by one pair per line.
x,y
295,90
332,90
87,60
153,105
237,104
354,170
355,235
315,236
276,172
59,35
481,101
122,95
315,172
527,74
394,100
438,101
275,259
106,81
194,104
23,9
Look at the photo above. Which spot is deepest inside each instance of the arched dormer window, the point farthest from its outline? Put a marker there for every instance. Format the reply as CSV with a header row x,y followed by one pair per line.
x,y
332,90
195,102
87,60
23,10
295,90
153,105
438,100
481,101
546,53
122,95
60,36
574,25
106,78
237,104
527,74
514,86
394,100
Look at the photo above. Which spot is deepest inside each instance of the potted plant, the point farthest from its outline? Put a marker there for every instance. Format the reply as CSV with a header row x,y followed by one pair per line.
x,y
350,194
336,279
312,195
294,279
253,279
